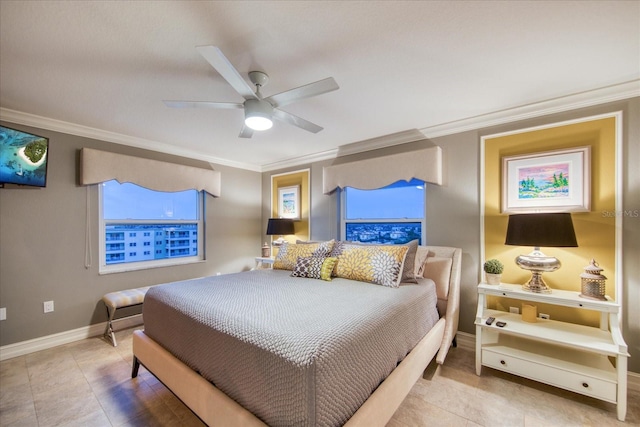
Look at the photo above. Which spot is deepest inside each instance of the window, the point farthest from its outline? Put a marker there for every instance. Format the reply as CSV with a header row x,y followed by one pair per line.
x,y
130,214
392,215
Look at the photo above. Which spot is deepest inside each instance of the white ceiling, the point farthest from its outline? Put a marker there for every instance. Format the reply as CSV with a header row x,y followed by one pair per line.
x,y
103,67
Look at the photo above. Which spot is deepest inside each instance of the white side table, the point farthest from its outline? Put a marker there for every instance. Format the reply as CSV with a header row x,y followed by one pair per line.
x,y
570,356
263,262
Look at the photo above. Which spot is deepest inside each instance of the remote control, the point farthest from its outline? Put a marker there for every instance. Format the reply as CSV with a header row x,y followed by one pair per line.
x,y
490,320
500,324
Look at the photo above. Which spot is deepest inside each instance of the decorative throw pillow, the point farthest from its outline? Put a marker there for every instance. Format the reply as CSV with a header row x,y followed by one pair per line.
x,y
327,268
289,252
310,267
379,264
438,269
408,274
336,250
335,253
421,259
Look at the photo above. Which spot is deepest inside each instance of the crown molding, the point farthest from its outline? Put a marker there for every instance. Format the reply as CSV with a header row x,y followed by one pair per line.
x,y
302,160
617,92
575,101
27,119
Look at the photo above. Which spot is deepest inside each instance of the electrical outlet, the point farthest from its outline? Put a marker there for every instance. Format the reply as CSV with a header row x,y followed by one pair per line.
x,y
514,310
544,316
48,306
3,313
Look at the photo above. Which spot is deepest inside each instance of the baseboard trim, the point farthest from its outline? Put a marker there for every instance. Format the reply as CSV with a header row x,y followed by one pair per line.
x,y
468,342
42,343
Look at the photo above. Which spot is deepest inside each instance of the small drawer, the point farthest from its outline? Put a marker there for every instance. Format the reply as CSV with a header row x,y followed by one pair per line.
x,y
576,382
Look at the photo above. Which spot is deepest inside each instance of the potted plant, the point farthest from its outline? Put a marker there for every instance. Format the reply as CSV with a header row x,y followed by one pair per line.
x,y
493,271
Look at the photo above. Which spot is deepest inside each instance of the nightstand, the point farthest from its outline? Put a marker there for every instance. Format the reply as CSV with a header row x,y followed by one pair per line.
x,y
566,355
263,262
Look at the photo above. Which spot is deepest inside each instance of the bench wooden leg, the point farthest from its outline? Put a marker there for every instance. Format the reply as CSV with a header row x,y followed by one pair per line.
x,y
108,332
135,367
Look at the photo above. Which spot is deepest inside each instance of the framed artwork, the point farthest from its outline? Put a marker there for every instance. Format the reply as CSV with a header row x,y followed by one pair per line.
x,y
552,181
289,202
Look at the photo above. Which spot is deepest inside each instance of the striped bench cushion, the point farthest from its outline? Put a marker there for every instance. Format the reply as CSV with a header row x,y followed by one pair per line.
x,y
125,298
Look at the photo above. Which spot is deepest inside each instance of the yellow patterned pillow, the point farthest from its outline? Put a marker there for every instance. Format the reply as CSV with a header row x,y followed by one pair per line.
x,y
327,268
379,264
289,252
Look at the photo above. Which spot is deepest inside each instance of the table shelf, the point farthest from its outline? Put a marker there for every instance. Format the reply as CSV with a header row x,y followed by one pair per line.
x,y
584,359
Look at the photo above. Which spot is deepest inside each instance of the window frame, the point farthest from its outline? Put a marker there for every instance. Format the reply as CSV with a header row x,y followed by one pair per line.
x,y
105,268
344,221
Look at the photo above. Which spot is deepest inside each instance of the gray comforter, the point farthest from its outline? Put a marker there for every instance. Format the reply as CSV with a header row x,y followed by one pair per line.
x,y
293,351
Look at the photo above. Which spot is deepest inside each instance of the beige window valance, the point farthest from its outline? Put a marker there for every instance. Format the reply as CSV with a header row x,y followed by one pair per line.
x,y
425,164
100,166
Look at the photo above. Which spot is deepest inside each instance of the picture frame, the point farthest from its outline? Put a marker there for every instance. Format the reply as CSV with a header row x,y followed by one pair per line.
x,y
551,181
289,202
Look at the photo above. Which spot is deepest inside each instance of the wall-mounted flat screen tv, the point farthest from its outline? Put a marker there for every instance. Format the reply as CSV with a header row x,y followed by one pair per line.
x,y
23,158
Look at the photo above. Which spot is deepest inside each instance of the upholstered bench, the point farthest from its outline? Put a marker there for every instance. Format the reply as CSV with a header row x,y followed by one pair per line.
x,y
121,299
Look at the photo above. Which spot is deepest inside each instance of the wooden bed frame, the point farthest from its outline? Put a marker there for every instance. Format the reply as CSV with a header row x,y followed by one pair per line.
x,y
216,409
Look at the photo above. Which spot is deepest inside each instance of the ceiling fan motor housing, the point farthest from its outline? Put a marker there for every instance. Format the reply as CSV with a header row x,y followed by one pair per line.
x,y
257,114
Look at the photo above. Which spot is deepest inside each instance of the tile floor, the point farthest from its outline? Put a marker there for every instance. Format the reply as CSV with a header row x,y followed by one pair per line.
x,y
88,383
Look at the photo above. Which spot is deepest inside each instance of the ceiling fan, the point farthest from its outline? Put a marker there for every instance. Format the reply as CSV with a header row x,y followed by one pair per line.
x,y
258,111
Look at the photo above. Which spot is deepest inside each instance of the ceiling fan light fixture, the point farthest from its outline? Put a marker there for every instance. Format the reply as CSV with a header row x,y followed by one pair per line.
x,y
257,114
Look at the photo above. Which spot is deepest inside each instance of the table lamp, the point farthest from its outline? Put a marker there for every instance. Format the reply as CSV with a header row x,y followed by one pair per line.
x,y
279,227
537,230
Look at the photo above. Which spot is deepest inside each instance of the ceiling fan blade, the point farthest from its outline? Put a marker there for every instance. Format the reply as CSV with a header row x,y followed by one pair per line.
x,y
203,104
296,121
302,92
216,58
246,132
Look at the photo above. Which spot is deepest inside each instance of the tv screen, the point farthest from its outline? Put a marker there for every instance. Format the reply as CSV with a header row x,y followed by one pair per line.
x,y
23,158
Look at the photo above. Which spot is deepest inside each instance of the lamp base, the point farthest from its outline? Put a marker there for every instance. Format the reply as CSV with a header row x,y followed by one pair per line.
x,y
279,241
536,284
537,263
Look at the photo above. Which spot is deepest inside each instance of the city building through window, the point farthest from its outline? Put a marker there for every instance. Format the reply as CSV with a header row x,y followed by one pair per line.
x,y
132,216
394,214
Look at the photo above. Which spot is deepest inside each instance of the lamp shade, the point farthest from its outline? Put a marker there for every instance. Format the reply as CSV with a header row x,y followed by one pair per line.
x,y
541,230
279,226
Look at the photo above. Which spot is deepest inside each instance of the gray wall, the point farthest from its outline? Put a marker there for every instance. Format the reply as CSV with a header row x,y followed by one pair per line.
x,y
453,209
42,241
42,236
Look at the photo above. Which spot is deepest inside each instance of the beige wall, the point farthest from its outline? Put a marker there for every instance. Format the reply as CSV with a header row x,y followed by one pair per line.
x,y
453,209
42,242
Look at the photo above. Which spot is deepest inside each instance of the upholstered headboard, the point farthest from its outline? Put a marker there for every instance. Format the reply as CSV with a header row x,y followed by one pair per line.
x,y
443,266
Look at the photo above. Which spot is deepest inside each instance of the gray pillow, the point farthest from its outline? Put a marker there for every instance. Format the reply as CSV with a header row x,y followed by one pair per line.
x,y
408,273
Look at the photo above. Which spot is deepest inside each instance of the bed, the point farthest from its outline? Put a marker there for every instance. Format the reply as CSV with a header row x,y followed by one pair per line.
x,y
285,361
